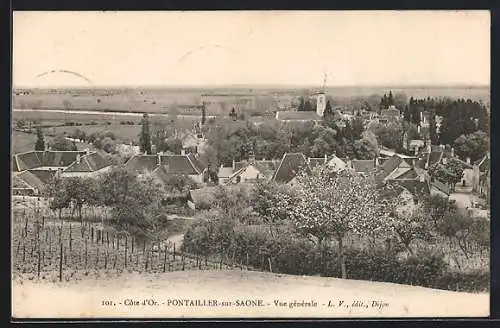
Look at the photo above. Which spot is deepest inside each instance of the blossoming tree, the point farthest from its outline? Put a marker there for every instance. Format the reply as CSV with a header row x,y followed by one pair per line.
x,y
333,205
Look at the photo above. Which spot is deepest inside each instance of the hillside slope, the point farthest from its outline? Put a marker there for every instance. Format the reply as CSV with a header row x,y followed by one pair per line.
x,y
84,298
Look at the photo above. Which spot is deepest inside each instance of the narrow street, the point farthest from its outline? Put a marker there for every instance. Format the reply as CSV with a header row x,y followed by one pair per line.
x,y
464,198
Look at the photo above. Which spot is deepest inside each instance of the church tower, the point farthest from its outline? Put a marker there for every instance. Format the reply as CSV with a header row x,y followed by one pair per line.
x,y
320,103
321,99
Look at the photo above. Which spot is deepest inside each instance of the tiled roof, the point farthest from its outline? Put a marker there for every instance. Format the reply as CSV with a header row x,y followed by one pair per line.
x,y
199,166
60,158
435,157
414,186
266,170
389,165
19,183
297,116
390,112
337,163
44,175
31,180
89,163
35,159
29,160
440,186
15,168
483,163
291,164
363,166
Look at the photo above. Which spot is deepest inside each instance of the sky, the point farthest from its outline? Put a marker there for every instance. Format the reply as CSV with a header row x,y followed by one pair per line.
x,y
251,48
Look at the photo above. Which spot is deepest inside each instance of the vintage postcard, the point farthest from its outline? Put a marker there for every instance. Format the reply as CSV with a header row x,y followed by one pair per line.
x,y
260,164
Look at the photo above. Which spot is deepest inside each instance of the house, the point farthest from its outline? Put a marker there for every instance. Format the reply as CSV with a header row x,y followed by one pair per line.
x,y
224,173
31,182
314,162
291,164
252,171
390,114
438,188
190,143
88,165
336,163
189,165
33,170
45,160
364,167
481,176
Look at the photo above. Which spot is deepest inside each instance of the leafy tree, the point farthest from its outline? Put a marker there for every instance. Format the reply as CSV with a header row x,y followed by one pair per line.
x,y
233,114
390,99
474,145
58,197
135,202
203,114
145,137
450,173
63,144
433,135
328,113
40,143
81,191
270,200
173,145
407,220
333,205
365,148
160,132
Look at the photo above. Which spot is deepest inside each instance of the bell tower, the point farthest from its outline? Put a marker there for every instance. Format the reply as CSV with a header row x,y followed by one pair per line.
x,y
321,99
320,103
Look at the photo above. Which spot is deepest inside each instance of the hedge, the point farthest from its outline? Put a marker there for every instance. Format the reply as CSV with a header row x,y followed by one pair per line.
x,y
294,254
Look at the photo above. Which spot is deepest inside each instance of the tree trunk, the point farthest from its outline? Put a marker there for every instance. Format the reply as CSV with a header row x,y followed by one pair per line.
x,y
343,268
80,214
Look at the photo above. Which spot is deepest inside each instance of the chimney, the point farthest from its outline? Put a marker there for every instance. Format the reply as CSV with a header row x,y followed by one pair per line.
x,y
452,152
468,160
416,150
183,151
326,158
421,117
158,159
376,161
78,158
234,164
222,166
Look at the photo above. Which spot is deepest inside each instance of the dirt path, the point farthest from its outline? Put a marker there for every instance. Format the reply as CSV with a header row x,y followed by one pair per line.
x,y
357,298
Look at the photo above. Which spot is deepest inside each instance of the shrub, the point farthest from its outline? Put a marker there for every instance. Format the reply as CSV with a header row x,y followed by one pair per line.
x,y
291,253
470,281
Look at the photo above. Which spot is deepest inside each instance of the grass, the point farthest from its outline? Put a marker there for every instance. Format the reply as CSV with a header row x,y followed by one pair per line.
x,y
23,142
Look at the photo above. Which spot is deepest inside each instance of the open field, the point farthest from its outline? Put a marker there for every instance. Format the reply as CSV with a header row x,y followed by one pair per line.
x,y
22,142
158,100
88,295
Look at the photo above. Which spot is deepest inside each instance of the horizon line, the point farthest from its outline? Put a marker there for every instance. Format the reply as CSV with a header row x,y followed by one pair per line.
x,y
255,86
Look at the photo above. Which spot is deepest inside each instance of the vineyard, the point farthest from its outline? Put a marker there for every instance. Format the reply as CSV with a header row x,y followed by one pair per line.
x,y
45,248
